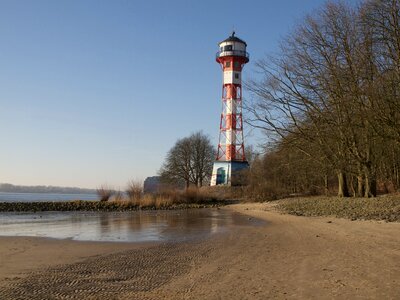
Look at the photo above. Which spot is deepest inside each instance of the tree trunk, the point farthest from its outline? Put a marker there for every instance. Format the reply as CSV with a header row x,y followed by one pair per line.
x,y
343,190
352,189
360,185
199,182
326,183
370,183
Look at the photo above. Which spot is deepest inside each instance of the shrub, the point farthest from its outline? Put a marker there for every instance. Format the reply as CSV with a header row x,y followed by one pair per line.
x,y
163,202
104,192
119,196
134,190
147,201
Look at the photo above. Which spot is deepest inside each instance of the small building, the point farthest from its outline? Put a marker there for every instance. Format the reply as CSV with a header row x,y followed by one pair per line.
x,y
152,185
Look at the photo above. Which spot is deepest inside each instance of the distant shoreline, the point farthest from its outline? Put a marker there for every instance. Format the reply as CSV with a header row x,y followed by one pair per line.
x,y
57,193
45,197
10,188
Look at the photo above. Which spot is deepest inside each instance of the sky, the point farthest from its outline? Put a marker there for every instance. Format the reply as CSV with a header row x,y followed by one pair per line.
x,y
96,92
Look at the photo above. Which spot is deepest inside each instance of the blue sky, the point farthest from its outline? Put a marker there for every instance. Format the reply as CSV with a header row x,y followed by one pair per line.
x,y
95,92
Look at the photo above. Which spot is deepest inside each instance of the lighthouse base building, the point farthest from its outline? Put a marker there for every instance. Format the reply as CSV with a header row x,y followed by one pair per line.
x,y
228,172
231,160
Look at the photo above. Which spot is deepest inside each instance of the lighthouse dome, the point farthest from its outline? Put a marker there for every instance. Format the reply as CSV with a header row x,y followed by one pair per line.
x,y
233,46
233,38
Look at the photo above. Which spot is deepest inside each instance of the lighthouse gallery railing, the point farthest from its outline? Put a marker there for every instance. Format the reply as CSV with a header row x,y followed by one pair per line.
x,y
233,53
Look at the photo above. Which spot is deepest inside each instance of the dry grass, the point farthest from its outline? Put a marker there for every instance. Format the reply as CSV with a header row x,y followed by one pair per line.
x,y
191,195
260,191
134,190
119,196
132,199
381,208
104,192
147,201
135,198
194,195
163,202
173,195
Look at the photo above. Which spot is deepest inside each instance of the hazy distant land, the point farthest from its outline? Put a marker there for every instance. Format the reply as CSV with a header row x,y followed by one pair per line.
x,y
10,188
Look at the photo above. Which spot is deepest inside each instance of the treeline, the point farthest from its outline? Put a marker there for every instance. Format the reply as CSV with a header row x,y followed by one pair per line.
x,y
10,188
330,103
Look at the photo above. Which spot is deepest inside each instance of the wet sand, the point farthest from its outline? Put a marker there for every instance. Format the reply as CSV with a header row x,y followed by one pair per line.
x,y
288,258
21,255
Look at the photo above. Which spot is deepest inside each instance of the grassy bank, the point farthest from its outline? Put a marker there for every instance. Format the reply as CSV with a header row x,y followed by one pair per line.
x,y
132,199
381,208
100,206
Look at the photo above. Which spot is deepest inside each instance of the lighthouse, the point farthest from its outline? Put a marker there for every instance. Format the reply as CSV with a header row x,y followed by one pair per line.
x,y
231,159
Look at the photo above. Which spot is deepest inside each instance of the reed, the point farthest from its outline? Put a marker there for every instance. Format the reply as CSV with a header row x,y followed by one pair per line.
x,y
134,190
119,196
104,192
147,201
163,202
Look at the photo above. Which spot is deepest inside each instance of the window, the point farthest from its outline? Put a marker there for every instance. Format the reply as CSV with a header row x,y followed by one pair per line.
x,y
236,64
228,48
236,75
228,64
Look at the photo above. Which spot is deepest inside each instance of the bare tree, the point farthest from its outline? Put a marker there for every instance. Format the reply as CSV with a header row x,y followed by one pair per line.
x,y
303,94
333,92
189,160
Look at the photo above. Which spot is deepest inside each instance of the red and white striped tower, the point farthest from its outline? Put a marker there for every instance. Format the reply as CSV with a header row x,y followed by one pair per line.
x,y
231,158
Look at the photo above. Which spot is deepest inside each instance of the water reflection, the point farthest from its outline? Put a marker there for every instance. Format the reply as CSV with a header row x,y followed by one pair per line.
x,y
123,226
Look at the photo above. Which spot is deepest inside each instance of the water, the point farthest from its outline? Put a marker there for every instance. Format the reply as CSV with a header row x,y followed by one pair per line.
x,y
44,197
139,226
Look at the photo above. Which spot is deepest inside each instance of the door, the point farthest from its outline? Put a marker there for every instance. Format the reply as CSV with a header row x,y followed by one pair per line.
x,y
221,176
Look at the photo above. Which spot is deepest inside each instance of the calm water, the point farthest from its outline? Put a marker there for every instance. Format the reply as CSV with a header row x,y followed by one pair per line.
x,y
123,226
44,197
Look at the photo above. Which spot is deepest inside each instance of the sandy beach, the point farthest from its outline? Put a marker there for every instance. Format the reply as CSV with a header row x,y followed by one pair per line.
x,y
288,258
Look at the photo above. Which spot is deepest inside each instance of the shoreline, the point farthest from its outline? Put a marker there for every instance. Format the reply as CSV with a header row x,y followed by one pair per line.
x,y
89,206
290,257
385,208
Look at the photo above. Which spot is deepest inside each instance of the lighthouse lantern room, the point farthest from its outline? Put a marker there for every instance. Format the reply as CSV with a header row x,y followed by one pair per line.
x,y
231,159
